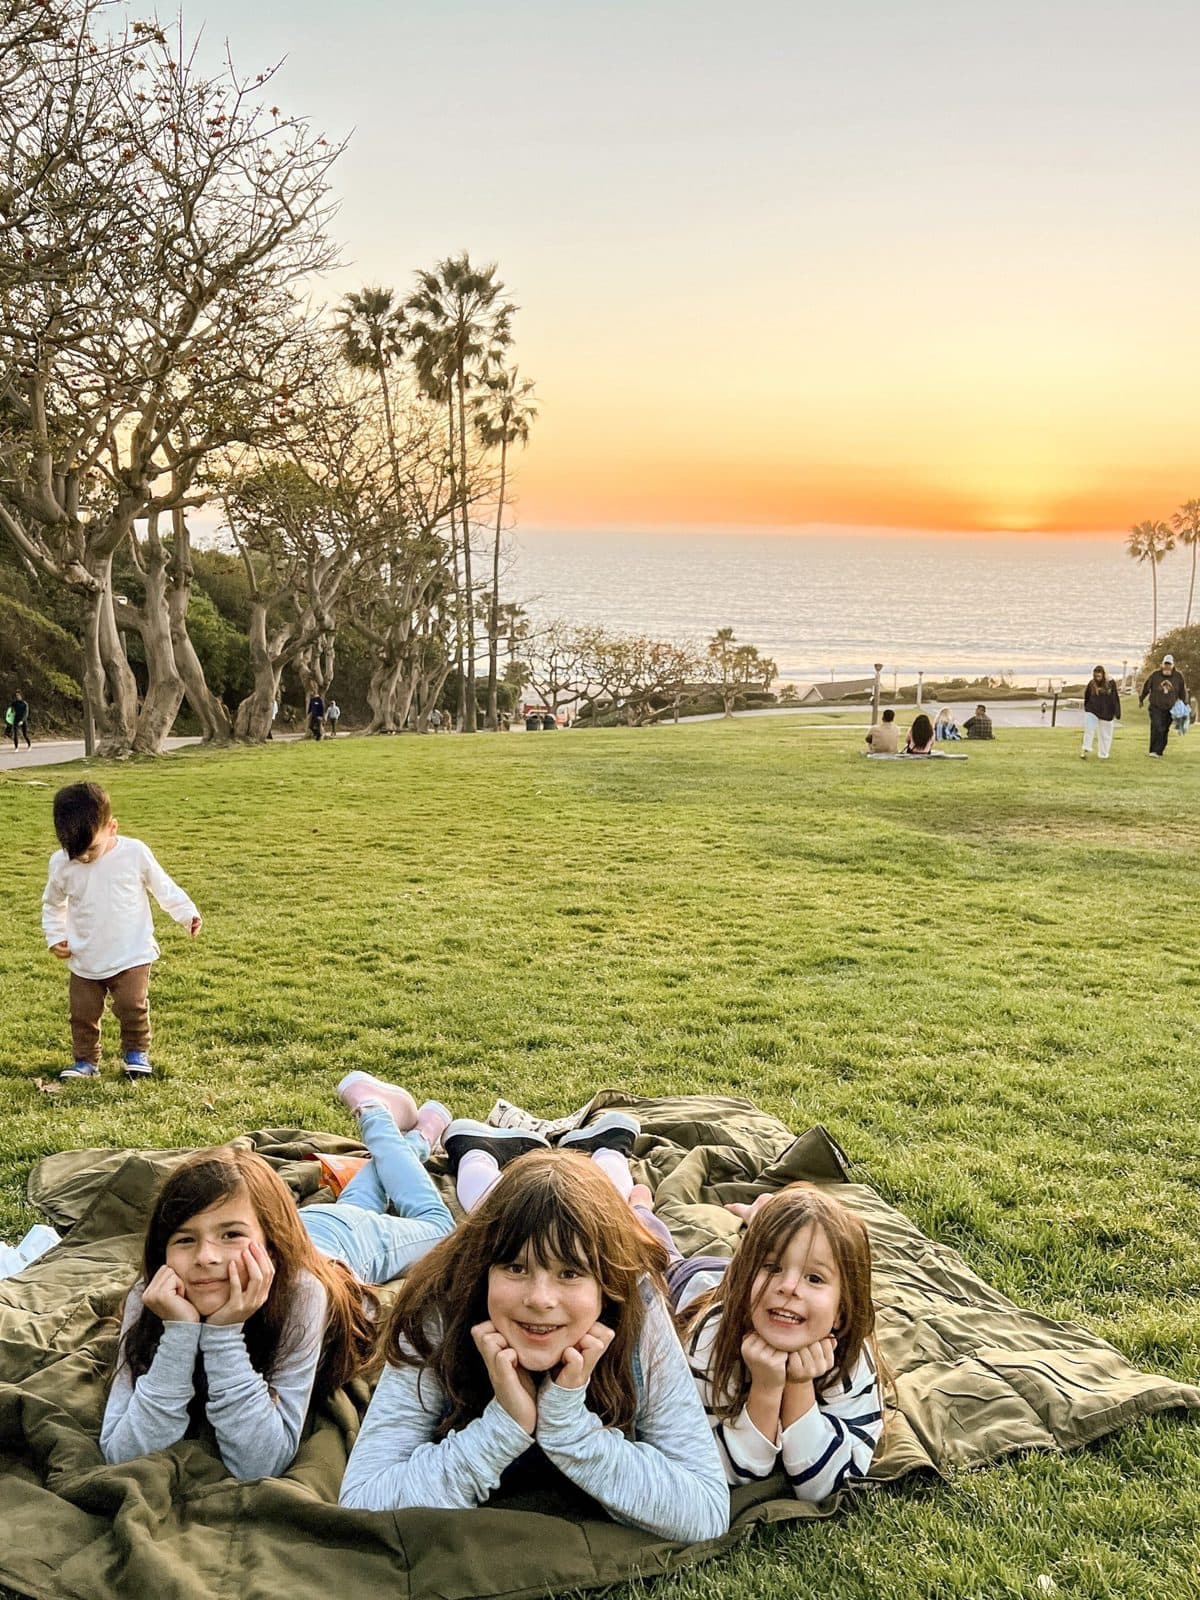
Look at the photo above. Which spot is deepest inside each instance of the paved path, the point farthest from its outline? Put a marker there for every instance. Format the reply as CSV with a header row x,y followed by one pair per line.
x,y
49,752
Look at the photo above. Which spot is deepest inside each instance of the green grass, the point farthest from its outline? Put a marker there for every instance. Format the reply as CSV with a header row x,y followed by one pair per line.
x,y
983,976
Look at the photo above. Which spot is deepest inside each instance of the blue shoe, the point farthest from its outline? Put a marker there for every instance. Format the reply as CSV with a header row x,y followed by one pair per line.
x,y
81,1069
137,1065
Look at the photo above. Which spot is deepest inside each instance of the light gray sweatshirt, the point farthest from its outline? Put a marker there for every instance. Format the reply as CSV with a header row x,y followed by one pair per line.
x,y
667,1479
257,1423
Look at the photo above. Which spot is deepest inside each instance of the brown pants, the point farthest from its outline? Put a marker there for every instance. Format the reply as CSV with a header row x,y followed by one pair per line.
x,y
131,1007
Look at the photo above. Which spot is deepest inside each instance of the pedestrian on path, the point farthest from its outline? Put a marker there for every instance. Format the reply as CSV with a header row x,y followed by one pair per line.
x,y
1101,713
1162,688
16,718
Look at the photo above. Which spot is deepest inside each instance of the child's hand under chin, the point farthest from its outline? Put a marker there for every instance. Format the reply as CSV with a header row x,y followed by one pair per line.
x,y
579,1360
812,1362
513,1387
251,1274
164,1295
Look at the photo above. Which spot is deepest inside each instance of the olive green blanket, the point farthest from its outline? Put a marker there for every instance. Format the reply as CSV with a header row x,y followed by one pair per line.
x,y
975,1378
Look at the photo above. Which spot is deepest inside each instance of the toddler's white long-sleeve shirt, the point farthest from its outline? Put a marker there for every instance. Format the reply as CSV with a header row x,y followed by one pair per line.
x,y
102,908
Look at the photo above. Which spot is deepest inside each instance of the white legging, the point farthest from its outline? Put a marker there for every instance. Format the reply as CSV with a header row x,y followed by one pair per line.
x,y
1094,727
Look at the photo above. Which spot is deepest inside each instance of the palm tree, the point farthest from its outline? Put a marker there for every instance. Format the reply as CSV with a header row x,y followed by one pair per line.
x,y
372,329
504,412
1150,541
1186,523
460,330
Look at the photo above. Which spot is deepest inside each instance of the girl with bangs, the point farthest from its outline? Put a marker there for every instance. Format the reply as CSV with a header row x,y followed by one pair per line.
x,y
540,1320
780,1341
247,1309
237,1318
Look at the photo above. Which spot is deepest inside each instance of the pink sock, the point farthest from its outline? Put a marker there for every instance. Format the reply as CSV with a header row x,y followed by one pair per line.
x,y
617,1168
478,1173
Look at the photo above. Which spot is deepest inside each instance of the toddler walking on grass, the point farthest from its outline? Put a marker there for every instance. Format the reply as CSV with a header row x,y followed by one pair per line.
x,y
96,917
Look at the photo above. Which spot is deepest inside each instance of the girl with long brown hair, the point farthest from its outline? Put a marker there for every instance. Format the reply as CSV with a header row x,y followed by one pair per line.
x,y
780,1342
237,1317
540,1319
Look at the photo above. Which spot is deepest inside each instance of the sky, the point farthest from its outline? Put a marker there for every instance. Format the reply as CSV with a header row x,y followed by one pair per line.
x,y
931,265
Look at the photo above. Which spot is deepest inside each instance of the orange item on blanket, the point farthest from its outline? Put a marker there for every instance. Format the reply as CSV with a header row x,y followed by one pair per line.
x,y
336,1171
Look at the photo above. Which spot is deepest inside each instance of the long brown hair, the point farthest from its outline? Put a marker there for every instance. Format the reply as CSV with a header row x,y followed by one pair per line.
x,y
767,1236
204,1180
556,1204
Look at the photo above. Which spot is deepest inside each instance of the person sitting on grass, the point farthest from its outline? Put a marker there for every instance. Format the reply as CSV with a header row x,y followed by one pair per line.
x,y
883,737
96,917
979,726
920,736
540,1320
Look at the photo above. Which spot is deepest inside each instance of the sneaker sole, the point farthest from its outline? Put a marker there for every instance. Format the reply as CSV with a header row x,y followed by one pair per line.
x,y
611,1132
506,1144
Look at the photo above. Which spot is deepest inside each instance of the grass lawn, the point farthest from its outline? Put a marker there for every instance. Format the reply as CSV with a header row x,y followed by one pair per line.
x,y
983,976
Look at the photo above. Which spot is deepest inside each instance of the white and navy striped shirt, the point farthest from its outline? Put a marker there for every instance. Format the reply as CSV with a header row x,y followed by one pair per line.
x,y
828,1448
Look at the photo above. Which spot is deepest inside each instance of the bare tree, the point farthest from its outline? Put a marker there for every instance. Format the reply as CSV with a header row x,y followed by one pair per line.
x,y
146,300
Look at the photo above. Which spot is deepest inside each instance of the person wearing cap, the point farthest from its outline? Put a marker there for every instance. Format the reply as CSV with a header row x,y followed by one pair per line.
x,y
1162,688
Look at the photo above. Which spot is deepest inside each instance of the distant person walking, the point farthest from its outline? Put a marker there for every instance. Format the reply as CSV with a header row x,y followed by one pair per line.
x,y
920,736
16,718
1162,688
979,726
316,715
883,738
333,714
1101,713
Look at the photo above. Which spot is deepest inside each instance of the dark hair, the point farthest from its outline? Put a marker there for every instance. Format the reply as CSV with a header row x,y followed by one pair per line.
x,y
556,1204
889,715
1103,674
767,1236
204,1180
80,811
921,731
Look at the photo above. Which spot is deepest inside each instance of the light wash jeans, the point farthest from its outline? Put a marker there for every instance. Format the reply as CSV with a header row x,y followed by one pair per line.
x,y
358,1229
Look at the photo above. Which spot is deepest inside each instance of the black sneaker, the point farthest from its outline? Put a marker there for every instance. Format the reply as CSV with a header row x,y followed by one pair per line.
x,y
615,1130
506,1144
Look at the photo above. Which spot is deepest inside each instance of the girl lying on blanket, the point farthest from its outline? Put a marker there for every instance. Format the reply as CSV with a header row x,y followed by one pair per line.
x,y
540,1320
780,1341
247,1310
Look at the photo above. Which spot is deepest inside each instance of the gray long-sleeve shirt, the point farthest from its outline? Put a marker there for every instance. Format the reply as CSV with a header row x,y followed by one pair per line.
x,y
667,1479
257,1423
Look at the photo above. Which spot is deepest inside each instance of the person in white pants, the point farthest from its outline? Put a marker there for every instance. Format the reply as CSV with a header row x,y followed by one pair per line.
x,y
1101,713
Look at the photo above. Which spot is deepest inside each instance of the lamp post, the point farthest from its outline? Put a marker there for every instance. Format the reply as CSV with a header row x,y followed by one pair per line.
x,y
875,694
920,686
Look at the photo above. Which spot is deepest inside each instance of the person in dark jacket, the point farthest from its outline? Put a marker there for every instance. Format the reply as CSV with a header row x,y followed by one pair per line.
x,y
1101,713
1162,688
316,715
16,718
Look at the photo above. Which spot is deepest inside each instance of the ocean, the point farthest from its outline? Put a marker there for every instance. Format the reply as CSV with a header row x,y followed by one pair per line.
x,y
828,602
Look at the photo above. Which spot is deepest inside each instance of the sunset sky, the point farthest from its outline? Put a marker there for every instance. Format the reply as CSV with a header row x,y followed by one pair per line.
x,y
934,265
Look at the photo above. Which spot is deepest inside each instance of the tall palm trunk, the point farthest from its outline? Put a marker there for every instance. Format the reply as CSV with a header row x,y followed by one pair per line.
x,y
458,599
471,722
493,710
1154,576
1187,622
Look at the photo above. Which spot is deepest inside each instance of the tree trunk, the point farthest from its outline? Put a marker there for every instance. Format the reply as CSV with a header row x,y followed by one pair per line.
x,y
109,682
164,688
493,711
253,719
1154,579
471,722
215,724
1191,588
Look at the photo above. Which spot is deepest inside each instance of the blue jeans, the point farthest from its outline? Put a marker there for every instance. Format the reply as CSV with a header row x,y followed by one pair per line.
x,y
358,1228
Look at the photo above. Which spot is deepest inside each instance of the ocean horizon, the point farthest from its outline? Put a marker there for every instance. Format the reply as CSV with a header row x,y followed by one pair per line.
x,y
832,602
